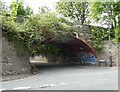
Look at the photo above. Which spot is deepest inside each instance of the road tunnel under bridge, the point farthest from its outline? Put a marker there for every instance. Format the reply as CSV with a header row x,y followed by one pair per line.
x,y
71,50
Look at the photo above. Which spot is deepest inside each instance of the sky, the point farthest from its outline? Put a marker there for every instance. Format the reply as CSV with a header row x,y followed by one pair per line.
x,y
35,4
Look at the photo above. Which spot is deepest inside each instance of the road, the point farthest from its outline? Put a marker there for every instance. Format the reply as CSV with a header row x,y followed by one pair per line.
x,y
67,78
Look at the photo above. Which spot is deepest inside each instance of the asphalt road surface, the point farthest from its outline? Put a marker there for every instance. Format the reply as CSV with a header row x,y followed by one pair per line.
x,y
67,78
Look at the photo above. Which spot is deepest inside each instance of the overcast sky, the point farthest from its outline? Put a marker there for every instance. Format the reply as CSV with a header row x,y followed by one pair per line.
x,y
35,4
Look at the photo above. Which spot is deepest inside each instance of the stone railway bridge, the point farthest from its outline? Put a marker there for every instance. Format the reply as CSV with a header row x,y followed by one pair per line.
x,y
16,63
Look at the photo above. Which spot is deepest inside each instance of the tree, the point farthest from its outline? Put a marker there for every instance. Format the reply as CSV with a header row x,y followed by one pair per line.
x,y
17,8
3,8
43,9
29,11
73,10
18,11
98,8
13,8
99,13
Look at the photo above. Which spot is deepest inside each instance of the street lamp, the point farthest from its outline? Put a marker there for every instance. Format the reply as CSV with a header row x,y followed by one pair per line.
x,y
109,45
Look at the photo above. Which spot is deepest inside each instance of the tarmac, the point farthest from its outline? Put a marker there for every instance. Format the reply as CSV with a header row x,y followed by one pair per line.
x,y
14,77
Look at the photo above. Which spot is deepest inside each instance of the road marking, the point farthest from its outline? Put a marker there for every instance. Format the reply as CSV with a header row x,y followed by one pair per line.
x,y
21,88
62,83
44,86
104,79
52,85
2,89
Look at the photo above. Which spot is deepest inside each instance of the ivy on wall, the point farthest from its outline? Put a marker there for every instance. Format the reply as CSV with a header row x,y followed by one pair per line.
x,y
117,35
98,34
33,31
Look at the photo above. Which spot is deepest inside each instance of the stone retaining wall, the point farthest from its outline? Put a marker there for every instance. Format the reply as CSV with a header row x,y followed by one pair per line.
x,y
119,53
104,53
0,51
12,61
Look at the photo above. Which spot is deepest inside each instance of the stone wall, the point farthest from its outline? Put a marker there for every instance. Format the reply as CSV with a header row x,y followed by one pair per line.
x,y
119,53
104,53
12,61
0,51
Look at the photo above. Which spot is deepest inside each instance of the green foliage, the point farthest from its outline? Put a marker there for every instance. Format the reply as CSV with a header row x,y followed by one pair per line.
x,y
13,8
45,22
46,50
73,10
3,8
117,35
98,35
29,35
29,10
34,31
41,27
10,30
10,25
17,8
43,9
22,10
15,34
98,8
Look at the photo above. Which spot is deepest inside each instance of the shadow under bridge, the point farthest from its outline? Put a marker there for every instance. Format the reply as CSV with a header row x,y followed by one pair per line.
x,y
72,50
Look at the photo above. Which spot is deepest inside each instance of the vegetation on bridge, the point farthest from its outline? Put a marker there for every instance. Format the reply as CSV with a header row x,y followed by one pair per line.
x,y
33,29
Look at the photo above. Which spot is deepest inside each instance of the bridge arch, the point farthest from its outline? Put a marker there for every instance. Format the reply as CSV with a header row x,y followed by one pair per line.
x,y
70,48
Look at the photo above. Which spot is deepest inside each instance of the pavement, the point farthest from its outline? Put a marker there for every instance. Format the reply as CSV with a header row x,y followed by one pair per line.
x,y
14,77
67,78
38,64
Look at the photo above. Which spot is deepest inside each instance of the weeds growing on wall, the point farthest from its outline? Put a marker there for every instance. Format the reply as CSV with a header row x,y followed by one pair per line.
x,y
98,34
116,39
33,31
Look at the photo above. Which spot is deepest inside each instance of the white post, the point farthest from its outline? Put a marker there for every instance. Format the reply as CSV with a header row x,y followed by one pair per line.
x,y
110,57
76,34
